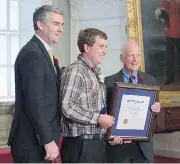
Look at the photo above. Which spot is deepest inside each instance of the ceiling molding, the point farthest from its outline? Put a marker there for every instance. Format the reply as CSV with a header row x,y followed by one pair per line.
x,y
79,8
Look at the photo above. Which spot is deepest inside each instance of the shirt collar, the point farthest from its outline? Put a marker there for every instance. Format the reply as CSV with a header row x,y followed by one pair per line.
x,y
44,43
127,74
95,69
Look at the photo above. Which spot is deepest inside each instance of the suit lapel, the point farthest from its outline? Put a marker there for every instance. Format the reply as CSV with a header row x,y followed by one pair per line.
x,y
119,77
58,73
139,77
44,51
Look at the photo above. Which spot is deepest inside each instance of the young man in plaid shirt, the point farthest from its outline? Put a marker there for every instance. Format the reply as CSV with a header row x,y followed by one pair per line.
x,y
83,96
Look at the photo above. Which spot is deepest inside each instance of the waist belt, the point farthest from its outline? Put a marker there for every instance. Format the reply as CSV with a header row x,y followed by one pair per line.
x,y
94,136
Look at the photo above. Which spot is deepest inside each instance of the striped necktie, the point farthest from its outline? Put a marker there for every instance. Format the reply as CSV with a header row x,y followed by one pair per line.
x,y
131,79
51,56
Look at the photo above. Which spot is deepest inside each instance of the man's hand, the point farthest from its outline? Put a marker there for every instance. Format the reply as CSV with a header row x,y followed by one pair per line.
x,y
119,140
52,151
156,107
116,140
106,121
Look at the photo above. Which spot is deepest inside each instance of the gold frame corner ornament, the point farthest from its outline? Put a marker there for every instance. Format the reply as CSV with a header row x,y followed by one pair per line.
x,y
135,32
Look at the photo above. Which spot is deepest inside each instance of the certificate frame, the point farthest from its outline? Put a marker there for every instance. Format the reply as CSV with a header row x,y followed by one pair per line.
x,y
138,90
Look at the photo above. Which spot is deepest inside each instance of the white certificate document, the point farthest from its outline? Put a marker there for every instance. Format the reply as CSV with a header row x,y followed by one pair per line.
x,y
133,111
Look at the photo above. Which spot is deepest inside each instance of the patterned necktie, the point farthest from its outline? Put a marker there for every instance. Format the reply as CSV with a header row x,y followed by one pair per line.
x,y
131,79
51,56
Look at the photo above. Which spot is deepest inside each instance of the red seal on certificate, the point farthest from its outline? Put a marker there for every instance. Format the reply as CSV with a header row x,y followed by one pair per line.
x,y
125,121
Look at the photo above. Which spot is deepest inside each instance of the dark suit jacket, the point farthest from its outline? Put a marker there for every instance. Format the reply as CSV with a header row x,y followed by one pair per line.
x,y
36,120
147,147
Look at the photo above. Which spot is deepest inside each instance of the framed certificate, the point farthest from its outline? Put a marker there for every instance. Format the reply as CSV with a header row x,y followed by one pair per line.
x,y
131,108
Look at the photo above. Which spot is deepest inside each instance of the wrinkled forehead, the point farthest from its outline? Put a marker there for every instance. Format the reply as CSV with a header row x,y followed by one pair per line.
x,y
54,15
131,49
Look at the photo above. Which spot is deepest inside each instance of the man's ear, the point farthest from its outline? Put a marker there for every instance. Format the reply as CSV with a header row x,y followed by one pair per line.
x,y
121,58
86,48
40,25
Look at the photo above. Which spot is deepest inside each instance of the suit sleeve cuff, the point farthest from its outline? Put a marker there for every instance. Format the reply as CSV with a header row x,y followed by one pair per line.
x,y
44,139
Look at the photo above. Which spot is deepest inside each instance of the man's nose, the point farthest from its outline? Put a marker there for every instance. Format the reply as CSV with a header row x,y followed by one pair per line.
x,y
105,50
60,29
135,58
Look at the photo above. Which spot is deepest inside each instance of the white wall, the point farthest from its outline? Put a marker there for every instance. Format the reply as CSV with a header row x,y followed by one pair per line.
x,y
107,15
27,8
62,49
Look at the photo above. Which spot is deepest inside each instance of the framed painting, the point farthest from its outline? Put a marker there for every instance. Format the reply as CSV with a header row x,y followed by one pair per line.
x,y
150,25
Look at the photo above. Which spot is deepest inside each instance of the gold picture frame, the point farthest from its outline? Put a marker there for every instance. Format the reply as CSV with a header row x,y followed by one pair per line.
x,y
134,18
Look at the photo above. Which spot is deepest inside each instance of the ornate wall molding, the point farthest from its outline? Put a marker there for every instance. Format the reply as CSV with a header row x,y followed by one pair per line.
x,y
79,8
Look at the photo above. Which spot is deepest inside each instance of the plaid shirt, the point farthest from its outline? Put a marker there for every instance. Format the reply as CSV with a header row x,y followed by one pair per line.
x,y
83,97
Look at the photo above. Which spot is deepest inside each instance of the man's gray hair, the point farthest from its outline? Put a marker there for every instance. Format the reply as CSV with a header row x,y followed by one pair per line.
x,y
125,46
41,14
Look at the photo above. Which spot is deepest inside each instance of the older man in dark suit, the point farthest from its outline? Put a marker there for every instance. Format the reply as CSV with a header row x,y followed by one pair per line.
x,y
35,128
134,152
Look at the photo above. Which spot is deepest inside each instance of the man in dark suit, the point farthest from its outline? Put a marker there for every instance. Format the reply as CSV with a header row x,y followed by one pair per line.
x,y
135,151
35,129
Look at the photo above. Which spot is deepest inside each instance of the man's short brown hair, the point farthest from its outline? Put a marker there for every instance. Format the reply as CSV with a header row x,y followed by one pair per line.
x,y
88,36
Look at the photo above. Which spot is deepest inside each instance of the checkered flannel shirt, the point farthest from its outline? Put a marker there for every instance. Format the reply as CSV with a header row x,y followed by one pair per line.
x,y
83,97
